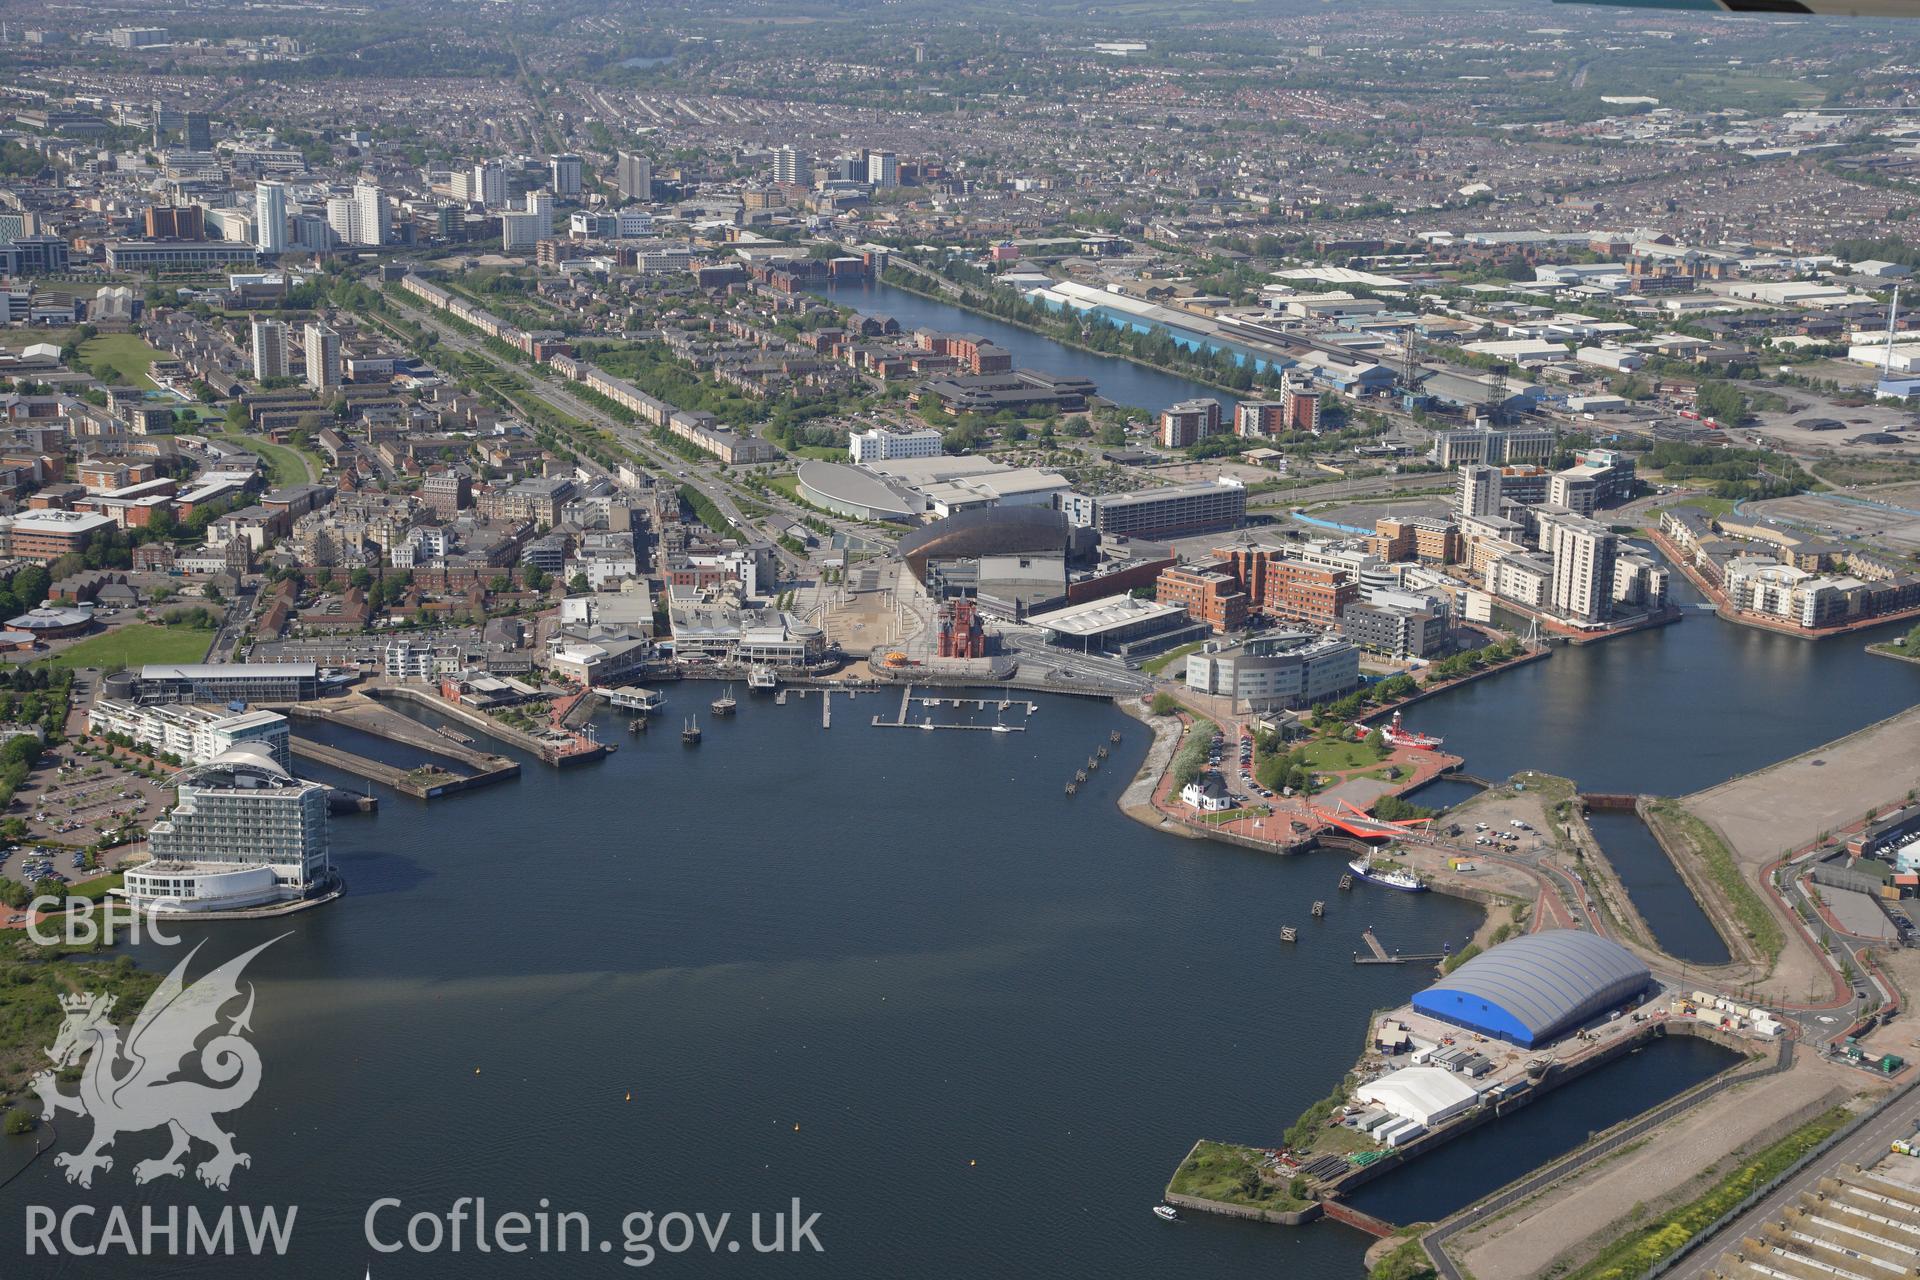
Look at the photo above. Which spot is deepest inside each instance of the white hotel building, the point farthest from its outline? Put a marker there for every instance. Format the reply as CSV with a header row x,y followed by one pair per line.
x,y
245,833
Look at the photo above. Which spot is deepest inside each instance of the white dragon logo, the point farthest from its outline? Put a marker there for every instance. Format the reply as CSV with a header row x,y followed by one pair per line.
x,y
145,1095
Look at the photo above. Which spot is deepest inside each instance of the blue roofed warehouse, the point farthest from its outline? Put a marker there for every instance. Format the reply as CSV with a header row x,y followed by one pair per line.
x,y
1532,989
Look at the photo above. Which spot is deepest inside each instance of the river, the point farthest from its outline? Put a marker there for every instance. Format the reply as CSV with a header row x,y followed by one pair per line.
x,y
1121,381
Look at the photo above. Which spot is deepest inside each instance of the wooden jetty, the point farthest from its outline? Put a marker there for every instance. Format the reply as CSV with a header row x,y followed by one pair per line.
x,y
1380,955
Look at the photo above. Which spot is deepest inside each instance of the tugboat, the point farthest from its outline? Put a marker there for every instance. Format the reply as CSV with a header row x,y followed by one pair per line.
x,y
1401,878
690,733
724,704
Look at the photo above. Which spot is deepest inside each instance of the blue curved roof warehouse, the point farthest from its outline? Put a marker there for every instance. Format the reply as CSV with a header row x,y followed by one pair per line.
x,y
1534,987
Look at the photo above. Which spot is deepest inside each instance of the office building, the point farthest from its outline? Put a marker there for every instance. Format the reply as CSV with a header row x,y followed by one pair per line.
x,y
323,358
1276,672
1493,446
1154,513
883,445
191,734
270,217
883,169
1189,422
1399,633
1306,593
136,37
270,349
1583,555
198,131
567,175
794,168
1208,594
221,682
176,222
43,254
46,535
634,176
243,833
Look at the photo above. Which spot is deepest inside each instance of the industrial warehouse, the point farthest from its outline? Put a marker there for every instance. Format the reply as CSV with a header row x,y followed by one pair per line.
x,y
1500,1030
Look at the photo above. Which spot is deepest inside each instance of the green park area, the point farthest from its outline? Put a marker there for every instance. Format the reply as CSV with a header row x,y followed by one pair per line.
x,y
1339,754
125,355
134,645
1229,1174
284,465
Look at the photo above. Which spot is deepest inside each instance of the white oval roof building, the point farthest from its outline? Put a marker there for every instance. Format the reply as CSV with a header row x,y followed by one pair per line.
x,y
1533,988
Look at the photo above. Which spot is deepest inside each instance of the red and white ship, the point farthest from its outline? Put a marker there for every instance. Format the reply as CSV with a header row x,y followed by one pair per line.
x,y
1399,737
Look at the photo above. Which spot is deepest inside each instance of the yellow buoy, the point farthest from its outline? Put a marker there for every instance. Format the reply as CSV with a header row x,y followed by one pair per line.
x,y
972,1163
796,1128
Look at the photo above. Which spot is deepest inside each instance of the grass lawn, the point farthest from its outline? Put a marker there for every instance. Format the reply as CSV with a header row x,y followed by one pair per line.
x,y
130,646
128,355
284,465
1157,665
822,452
789,485
1336,754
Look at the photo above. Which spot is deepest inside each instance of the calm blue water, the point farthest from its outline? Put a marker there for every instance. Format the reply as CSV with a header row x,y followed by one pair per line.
x,y
1665,902
910,945
1118,380
1672,710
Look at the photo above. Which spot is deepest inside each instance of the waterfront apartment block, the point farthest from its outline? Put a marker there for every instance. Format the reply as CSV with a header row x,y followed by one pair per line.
x,y
192,734
1189,422
1583,554
1156,513
1208,594
1276,672
244,833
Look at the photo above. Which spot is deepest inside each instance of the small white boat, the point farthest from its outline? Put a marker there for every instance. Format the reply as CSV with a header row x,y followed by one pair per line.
x,y
1167,1212
1000,728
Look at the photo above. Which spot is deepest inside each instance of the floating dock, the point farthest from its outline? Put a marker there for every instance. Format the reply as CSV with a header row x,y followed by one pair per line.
x,y
906,705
